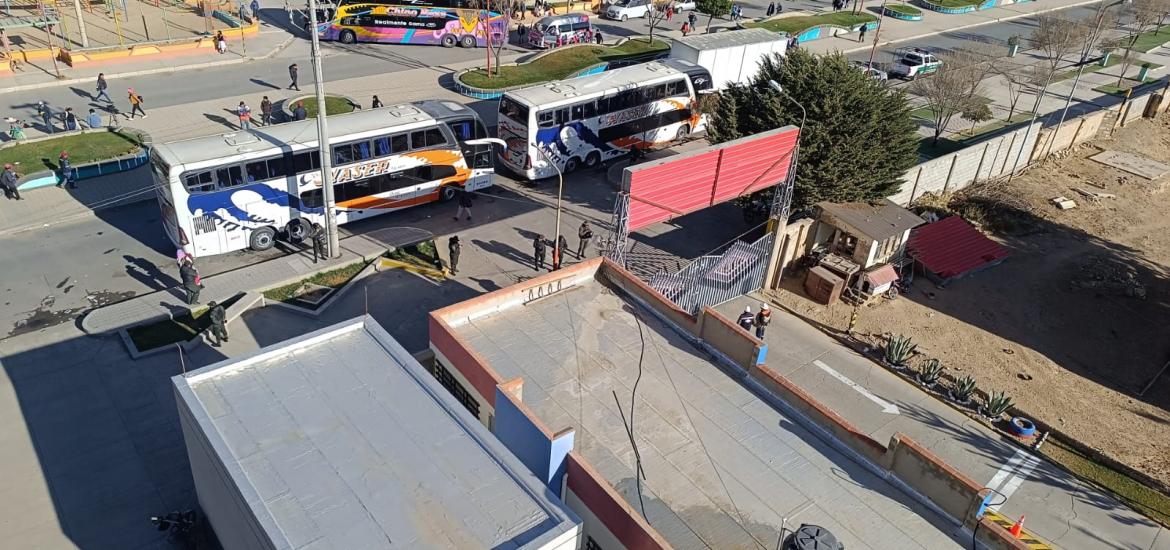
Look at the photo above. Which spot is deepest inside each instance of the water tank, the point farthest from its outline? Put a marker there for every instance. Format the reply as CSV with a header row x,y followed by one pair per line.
x,y
813,537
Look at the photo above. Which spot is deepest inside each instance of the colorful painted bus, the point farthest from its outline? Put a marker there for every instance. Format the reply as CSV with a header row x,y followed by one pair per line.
x,y
447,23
229,192
562,125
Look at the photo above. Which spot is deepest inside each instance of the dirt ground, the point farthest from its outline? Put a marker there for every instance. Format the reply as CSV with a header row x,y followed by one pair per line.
x,y
1077,320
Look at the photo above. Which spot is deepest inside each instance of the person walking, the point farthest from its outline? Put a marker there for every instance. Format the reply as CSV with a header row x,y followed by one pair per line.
x,y
135,103
93,120
538,252
762,319
746,319
771,9
265,111
692,19
192,282
597,37
218,323
101,88
67,178
584,233
376,103
669,12
299,112
8,180
292,74
686,28
245,114
319,242
465,205
255,8
46,114
861,32
454,247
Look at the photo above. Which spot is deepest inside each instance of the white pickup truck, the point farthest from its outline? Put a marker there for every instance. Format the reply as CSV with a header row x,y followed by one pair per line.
x,y
911,63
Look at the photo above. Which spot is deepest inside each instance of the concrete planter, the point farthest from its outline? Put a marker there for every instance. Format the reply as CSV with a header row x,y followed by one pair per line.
x,y
892,13
485,93
331,299
48,178
941,9
282,109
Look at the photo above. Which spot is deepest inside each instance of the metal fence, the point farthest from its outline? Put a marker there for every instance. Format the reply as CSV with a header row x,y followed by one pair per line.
x,y
712,280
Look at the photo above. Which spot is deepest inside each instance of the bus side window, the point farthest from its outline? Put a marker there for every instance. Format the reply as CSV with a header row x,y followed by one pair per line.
x,y
229,177
381,147
312,198
544,119
202,181
343,154
562,116
399,143
578,112
603,105
678,87
361,151
257,171
434,136
306,162
590,110
277,168
462,129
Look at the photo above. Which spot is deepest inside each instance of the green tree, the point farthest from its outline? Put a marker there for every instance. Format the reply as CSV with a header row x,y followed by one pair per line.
x,y
858,141
713,9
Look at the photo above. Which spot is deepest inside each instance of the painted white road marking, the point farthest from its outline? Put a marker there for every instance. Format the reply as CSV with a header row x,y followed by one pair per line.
x,y
887,407
1019,467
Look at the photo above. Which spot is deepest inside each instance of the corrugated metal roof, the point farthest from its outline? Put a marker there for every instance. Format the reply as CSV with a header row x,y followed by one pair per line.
x,y
727,39
876,221
340,439
951,247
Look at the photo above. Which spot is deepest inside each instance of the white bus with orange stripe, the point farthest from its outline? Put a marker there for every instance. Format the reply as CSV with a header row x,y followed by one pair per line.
x,y
590,119
243,190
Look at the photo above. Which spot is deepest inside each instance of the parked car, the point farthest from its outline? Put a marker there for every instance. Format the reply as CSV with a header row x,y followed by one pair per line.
x,y
679,5
872,72
625,9
911,63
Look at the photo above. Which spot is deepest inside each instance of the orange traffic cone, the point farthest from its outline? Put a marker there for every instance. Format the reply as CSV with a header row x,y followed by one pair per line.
x,y
1015,530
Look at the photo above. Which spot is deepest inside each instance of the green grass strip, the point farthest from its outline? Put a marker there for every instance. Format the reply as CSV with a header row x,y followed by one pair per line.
x,y
1130,491
796,25
335,278
82,148
904,9
560,64
333,106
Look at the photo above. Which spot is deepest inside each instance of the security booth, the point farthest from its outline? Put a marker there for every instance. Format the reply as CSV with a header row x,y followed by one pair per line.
x,y
864,244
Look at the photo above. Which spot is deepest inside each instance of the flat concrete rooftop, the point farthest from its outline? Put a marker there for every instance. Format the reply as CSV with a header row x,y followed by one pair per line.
x,y
723,468
339,439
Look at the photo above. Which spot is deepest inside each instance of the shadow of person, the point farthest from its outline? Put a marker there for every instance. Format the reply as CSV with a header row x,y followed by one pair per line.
x,y
264,83
147,273
220,120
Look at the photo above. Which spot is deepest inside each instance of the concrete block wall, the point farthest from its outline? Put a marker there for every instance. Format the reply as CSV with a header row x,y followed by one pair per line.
x,y
606,515
1134,109
949,489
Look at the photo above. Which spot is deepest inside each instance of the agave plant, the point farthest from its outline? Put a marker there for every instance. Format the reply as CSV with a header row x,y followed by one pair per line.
x,y
997,404
899,350
930,372
963,389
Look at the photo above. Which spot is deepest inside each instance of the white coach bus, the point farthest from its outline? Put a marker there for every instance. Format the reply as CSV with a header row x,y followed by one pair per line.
x,y
242,190
584,121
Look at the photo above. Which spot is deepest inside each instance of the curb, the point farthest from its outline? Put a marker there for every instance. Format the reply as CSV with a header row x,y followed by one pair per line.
x,y
144,72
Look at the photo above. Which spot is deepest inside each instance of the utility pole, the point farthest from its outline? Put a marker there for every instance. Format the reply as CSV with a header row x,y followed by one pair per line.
x,y
323,138
80,23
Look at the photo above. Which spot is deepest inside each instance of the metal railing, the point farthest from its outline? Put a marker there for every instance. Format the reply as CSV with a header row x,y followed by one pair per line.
x,y
712,280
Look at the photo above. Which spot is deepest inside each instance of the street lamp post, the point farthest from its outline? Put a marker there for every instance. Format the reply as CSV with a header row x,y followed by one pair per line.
x,y
876,33
783,201
323,139
560,195
1081,68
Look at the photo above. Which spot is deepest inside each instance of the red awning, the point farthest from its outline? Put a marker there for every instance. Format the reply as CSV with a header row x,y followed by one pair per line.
x,y
951,247
882,276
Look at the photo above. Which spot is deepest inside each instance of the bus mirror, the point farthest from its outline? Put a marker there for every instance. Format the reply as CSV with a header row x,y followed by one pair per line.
x,y
488,141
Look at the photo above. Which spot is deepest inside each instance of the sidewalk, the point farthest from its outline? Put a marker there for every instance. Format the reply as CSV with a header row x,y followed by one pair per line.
x,y
1060,508
167,303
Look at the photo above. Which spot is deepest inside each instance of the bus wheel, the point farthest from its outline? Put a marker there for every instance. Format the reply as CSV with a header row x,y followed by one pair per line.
x,y
592,159
446,193
297,230
262,239
682,133
449,41
347,37
571,164
468,41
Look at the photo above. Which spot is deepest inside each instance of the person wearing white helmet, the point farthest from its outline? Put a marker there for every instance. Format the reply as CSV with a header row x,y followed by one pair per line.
x,y
746,319
762,319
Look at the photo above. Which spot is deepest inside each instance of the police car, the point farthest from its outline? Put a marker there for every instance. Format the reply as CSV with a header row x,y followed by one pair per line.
x,y
911,63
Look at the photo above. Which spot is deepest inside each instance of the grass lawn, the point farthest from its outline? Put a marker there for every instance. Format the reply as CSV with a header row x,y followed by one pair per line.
x,y
335,278
955,3
796,25
1125,86
83,149
963,139
560,64
333,106
926,113
174,331
1130,491
904,8
1096,67
421,254
1150,40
